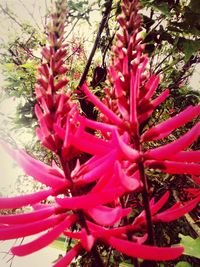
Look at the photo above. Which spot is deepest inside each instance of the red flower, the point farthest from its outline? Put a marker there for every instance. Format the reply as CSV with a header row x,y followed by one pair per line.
x,y
91,194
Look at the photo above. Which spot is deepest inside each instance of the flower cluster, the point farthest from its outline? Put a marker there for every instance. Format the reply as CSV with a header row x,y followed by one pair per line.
x,y
91,193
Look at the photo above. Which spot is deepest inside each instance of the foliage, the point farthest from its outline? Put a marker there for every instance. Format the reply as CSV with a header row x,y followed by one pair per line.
x,y
163,37
183,264
80,9
18,65
172,37
191,245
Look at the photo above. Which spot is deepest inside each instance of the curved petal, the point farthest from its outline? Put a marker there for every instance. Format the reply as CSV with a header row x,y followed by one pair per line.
x,y
186,156
91,200
174,167
176,146
107,216
104,109
144,251
177,211
70,255
164,128
27,217
153,104
45,239
22,230
24,200
37,169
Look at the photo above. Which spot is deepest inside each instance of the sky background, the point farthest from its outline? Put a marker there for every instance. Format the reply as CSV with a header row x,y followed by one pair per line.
x,y
9,172
33,12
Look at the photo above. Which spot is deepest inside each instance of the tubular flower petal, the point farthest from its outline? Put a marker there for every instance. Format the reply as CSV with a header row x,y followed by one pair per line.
x,y
87,240
45,239
186,156
97,169
175,146
156,102
107,216
151,87
89,201
104,109
174,167
125,151
176,212
103,127
163,129
46,53
143,251
129,183
27,217
154,208
22,230
118,88
67,259
37,169
61,84
104,233
160,203
24,200
59,131
134,87
90,144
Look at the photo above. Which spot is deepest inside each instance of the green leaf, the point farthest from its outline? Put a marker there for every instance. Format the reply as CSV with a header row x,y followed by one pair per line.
x,y
146,2
10,66
28,65
163,8
192,246
124,264
189,47
195,6
59,243
183,264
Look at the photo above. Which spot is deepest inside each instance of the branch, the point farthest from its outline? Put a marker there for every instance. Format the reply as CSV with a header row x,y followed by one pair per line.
x,y
30,14
71,29
88,108
107,47
6,11
185,68
100,30
157,70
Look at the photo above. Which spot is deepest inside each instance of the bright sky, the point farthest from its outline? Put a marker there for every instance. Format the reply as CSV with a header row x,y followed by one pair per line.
x,y
41,258
32,11
8,170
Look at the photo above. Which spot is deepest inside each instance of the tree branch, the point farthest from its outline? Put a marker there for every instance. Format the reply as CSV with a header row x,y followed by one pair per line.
x,y
6,11
100,30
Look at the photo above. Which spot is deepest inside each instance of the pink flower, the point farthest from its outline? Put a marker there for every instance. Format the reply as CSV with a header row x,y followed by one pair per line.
x,y
143,251
45,239
163,129
98,170
24,200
